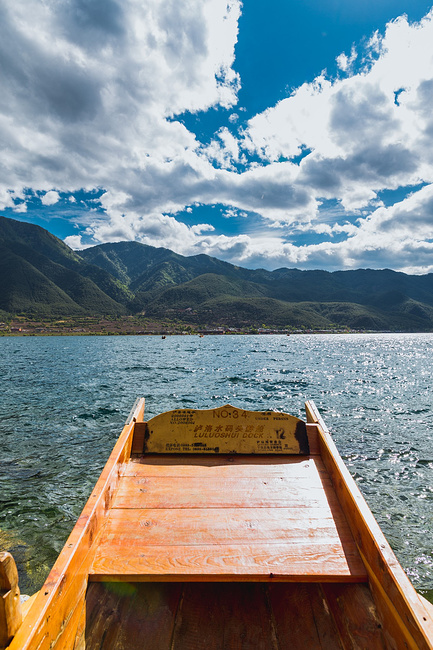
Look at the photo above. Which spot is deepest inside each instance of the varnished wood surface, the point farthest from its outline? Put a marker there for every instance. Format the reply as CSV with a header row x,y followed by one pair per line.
x,y
223,526
218,519
407,622
298,562
250,521
246,492
224,429
55,616
221,616
227,466
10,606
355,615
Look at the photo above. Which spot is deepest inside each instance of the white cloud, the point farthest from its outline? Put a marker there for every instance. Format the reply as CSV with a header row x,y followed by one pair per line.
x,y
344,62
95,107
90,106
339,120
50,198
224,151
154,229
20,208
74,241
6,200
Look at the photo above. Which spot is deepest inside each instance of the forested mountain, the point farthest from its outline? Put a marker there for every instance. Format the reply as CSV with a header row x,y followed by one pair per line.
x,y
41,276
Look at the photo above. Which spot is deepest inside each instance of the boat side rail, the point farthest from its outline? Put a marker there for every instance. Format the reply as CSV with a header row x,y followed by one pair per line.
x,y
58,611
404,614
10,605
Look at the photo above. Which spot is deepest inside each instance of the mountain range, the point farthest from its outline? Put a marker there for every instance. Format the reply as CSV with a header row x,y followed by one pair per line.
x,y
40,276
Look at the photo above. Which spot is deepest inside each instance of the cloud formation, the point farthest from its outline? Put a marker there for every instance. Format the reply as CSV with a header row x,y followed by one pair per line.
x,y
365,133
50,198
93,93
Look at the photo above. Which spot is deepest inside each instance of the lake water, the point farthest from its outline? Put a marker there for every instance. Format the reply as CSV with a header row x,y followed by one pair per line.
x,y
64,400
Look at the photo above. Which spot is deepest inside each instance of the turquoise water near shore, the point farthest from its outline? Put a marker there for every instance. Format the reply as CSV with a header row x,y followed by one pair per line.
x,y
63,402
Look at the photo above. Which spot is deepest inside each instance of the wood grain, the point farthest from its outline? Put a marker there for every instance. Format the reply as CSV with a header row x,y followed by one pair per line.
x,y
225,466
10,606
356,616
247,562
407,622
301,617
131,616
220,526
216,518
191,492
216,616
64,590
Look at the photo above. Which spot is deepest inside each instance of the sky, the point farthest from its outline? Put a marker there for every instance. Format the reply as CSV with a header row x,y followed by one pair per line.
x,y
291,133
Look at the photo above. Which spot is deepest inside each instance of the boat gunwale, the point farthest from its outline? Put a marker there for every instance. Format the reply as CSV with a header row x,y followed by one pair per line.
x,y
67,580
398,598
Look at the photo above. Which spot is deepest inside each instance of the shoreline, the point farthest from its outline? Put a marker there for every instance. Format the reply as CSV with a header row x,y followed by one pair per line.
x,y
201,334
22,326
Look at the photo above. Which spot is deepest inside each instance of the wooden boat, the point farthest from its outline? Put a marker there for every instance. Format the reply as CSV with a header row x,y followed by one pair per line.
x,y
221,528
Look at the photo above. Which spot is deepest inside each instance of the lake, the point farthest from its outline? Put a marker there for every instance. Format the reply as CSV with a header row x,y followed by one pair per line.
x,y
64,400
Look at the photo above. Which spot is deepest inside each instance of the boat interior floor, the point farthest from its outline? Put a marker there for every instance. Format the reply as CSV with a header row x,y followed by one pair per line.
x,y
248,615
228,552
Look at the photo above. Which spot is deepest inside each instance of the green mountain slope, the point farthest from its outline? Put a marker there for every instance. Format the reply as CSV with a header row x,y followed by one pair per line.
x,y
145,269
24,289
39,274
238,303
54,265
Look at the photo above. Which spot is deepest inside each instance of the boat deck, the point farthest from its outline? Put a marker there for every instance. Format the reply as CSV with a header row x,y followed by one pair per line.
x,y
226,518
218,552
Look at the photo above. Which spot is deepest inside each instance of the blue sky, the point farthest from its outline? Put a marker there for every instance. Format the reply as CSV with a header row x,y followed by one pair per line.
x,y
291,133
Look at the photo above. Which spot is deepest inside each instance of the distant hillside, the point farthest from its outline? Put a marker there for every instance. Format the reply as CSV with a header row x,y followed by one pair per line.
x,y
40,275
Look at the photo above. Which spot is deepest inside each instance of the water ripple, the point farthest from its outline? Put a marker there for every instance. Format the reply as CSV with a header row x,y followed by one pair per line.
x,y
64,400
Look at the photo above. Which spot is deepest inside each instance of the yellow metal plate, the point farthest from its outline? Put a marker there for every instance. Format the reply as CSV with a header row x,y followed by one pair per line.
x,y
225,430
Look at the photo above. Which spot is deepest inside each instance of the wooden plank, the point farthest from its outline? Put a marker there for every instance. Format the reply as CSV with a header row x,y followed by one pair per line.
x,y
399,606
25,606
355,614
427,604
215,616
65,585
225,466
10,605
174,492
396,631
80,630
137,446
105,610
308,562
313,440
302,621
72,625
225,430
119,615
197,526
206,616
136,414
